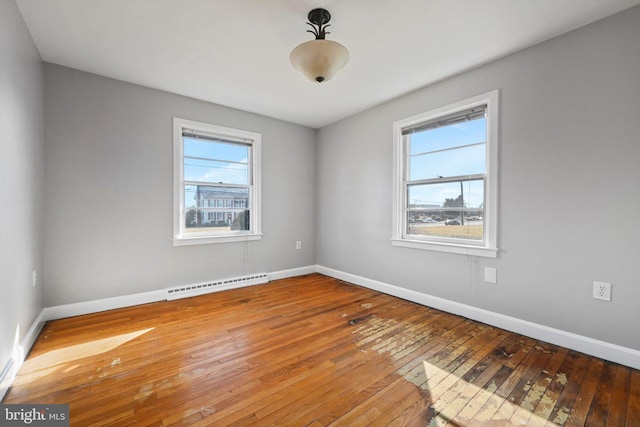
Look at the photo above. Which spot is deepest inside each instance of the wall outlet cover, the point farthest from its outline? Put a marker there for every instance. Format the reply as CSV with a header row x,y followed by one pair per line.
x,y
602,290
490,275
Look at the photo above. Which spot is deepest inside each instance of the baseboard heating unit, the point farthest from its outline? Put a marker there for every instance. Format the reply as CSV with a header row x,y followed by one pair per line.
x,y
218,285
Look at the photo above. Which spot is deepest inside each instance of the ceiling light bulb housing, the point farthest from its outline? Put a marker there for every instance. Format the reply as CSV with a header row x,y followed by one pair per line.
x,y
320,59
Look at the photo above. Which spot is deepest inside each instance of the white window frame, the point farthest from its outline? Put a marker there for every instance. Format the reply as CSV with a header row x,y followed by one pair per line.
x,y
180,238
487,248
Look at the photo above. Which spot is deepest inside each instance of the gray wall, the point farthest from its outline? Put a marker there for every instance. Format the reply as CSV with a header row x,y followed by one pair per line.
x,y
108,170
21,178
569,193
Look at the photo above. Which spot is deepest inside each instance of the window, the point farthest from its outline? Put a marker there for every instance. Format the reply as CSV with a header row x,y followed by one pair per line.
x,y
446,178
216,184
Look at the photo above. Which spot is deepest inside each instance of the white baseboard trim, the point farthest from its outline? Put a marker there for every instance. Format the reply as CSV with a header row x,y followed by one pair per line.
x,y
19,353
104,304
32,334
292,272
602,349
7,375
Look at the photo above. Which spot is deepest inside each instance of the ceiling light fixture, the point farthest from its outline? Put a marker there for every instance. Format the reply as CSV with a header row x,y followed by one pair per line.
x,y
319,59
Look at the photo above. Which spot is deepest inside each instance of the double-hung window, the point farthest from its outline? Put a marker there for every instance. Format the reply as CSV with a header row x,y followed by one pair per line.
x,y
446,178
216,184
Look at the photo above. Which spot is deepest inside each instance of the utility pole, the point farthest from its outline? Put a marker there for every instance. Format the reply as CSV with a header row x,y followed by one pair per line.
x,y
461,204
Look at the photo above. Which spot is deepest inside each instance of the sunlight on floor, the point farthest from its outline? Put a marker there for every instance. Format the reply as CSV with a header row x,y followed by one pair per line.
x,y
59,359
456,401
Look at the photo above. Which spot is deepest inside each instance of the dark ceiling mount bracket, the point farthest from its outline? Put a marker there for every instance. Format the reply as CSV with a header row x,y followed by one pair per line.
x,y
318,19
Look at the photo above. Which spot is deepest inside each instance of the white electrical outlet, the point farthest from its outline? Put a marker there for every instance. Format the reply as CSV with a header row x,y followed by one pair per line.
x,y
34,277
602,290
298,244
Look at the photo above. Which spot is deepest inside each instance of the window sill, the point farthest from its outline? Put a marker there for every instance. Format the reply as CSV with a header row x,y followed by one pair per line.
x,y
480,251
186,241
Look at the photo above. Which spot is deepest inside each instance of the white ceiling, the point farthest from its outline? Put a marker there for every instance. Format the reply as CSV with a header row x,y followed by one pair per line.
x,y
236,52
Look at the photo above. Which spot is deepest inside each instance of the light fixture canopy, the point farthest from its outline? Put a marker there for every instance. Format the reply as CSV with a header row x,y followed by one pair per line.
x,y
320,59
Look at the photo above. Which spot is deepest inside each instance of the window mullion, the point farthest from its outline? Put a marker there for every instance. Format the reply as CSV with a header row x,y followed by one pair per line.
x,y
216,184
461,178
209,159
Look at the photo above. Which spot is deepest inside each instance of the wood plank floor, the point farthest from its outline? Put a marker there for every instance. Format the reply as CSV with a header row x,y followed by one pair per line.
x,y
314,351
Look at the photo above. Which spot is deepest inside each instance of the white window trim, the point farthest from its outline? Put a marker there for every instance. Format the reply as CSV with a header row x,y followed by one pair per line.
x,y
179,237
490,248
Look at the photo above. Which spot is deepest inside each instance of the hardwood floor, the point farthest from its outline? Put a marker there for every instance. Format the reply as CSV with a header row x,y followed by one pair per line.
x,y
314,351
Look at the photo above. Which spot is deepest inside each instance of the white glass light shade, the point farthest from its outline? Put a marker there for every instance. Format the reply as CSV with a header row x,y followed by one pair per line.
x,y
319,60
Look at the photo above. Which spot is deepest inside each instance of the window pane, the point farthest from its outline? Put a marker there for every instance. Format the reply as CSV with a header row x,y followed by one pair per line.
x,y
206,196
216,209
221,222
462,194
452,209
460,227
468,160
209,161
465,133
